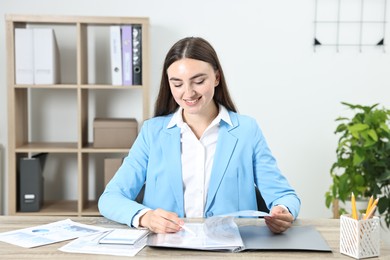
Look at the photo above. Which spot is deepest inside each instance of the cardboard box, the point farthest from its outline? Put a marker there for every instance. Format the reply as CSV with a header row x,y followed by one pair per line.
x,y
111,166
114,132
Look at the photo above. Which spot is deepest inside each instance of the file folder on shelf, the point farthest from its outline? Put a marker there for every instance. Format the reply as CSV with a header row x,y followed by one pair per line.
x,y
24,58
31,182
127,55
46,56
137,55
116,55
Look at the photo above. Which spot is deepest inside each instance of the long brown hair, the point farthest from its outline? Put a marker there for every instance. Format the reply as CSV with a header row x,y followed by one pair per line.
x,y
193,48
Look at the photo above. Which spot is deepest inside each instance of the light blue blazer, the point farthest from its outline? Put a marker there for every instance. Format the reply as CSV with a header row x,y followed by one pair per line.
x,y
242,160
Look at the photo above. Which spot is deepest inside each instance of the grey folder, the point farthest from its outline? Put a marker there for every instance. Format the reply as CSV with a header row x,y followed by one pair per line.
x,y
31,182
297,238
303,238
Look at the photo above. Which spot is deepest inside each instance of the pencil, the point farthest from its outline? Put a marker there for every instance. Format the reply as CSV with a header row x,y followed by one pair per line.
x,y
183,227
353,202
371,213
188,229
369,205
375,202
371,210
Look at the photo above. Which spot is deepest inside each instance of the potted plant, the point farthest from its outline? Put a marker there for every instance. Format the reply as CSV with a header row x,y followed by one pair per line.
x,y
362,165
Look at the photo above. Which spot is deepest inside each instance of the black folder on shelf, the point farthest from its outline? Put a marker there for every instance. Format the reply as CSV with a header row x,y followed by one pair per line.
x,y
31,182
137,54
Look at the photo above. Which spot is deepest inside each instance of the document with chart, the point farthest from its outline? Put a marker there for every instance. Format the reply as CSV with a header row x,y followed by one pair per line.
x,y
49,233
216,233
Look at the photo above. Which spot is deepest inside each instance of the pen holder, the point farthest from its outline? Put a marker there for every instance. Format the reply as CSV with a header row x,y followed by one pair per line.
x,y
359,238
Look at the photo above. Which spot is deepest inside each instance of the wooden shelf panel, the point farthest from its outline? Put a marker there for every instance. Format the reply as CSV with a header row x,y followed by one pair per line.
x,y
91,209
110,87
57,86
90,20
47,147
90,149
55,208
75,86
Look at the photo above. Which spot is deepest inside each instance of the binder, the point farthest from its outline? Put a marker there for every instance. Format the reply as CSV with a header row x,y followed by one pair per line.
x,y
31,182
24,59
127,55
137,54
46,56
116,55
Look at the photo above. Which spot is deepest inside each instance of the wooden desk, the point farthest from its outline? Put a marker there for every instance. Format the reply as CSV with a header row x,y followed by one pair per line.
x,y
329,228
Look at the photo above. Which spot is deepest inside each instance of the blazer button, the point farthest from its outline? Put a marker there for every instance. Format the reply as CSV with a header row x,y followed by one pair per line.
x,y
209,214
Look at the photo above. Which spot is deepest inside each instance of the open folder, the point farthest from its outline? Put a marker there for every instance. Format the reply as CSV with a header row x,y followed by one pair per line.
x,y
223,234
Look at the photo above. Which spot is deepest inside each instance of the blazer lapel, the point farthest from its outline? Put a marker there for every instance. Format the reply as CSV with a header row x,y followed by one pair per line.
x,y
225,147
171,150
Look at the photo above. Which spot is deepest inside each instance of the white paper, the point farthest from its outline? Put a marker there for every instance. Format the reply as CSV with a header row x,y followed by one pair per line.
x,y
246,213
217,233
90,245
49,233
128,236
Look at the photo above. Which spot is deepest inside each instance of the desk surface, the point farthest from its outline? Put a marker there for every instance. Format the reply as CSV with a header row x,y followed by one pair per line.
x,y
329,229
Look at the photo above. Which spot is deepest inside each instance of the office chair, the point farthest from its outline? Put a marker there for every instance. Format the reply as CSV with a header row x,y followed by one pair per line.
x,y
261,205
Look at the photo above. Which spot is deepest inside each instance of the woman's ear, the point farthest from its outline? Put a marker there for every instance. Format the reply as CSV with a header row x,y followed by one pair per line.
x,y
217,78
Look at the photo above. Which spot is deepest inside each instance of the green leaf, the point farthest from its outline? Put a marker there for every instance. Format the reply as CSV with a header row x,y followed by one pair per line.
x,y
359,180
385,176
344,191
328,200
384,127
341,127
383,205
357,158
358,127
373,135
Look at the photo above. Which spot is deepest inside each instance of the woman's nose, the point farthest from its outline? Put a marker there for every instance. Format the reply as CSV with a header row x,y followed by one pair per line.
x,y
188,89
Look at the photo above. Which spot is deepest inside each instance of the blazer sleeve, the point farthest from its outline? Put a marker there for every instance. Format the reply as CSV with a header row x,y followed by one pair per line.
x,y
273,185
118,199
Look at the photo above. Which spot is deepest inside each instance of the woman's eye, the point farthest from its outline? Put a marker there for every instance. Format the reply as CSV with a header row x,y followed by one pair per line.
x,y
176,84
199,82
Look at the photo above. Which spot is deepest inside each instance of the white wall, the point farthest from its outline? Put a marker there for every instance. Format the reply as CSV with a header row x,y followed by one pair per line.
x,y
274,75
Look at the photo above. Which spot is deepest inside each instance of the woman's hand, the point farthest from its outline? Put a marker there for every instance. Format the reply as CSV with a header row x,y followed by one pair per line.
x,y
161,221
279,220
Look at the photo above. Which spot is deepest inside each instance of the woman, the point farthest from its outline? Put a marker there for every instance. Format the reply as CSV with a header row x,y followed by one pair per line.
x,y
198,157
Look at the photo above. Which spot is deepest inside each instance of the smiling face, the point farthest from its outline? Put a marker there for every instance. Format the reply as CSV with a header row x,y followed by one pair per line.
x,y
192,83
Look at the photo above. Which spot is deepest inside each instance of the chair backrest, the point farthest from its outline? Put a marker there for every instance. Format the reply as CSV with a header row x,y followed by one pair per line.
x,y
261,205
140,196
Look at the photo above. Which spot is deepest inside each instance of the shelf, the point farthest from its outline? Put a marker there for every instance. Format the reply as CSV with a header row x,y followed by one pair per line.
x,y
55,208
57,86
65,148
90,149
57,118
91,209
47,148
110,87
